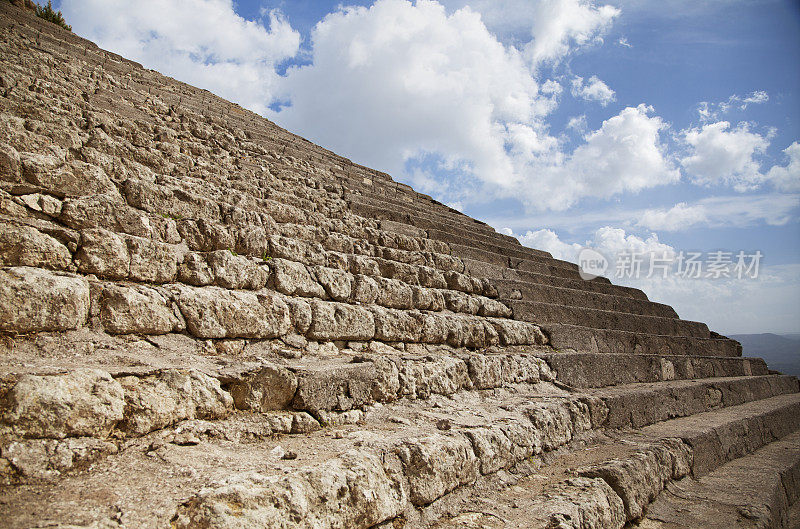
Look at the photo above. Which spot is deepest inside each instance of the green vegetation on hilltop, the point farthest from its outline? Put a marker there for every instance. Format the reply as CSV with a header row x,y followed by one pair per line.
x,y
46,12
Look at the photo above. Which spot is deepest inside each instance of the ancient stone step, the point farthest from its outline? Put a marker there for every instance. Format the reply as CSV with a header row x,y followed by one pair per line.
x,y
493,243
595,340
594,370
545,313
600,285
758,490
580,298
620,474
550,267
385,208
723,435
640,404
398,459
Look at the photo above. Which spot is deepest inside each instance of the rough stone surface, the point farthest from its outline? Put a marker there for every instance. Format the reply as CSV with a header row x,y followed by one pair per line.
x,y
213,312
436,465
353,490
103,253
33,300
160,400
293,279
27,246
641,477
80,403
270,388
137,310
340,321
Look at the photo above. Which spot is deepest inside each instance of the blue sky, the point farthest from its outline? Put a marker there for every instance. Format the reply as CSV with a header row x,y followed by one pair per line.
x,y
625,125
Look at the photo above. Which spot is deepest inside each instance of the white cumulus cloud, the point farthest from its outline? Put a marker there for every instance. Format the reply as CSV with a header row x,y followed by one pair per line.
x,y
787,178
550,29
721,155
593,90
559,25
626,154
201,42
413,83
679,217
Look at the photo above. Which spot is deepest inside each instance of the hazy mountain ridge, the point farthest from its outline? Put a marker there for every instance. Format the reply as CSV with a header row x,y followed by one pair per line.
x,y
781,352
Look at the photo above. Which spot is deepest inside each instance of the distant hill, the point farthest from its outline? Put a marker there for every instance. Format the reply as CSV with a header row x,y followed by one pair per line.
x,y
781,352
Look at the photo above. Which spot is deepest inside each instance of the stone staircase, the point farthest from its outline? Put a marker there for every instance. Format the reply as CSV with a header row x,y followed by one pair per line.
x,y
206,321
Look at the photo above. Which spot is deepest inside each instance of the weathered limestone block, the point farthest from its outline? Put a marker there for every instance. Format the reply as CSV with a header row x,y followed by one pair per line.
x,y
48,458
163,200
272,387
284,213
431,278
203,235
525,439
361,264
213,312
43,203
513,332
103,253
299,313
84,402
336,260
160,400
105,212
492,447
75,178
365,289
485,371
394,294
437,464
558,420
456,301
433,376
22,245
427,299
476,334
235,271
523,369
578,503
304,423
460,282
252,240
137,310
491,307
339,321
355,490
639,478
293,279
399,271
295,249
34,300
153,261
338,284
347,386
195,270
337,242
393,325
10,164
435,328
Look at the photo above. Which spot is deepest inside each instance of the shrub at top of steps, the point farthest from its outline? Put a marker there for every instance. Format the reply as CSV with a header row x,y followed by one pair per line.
x,y
47,12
